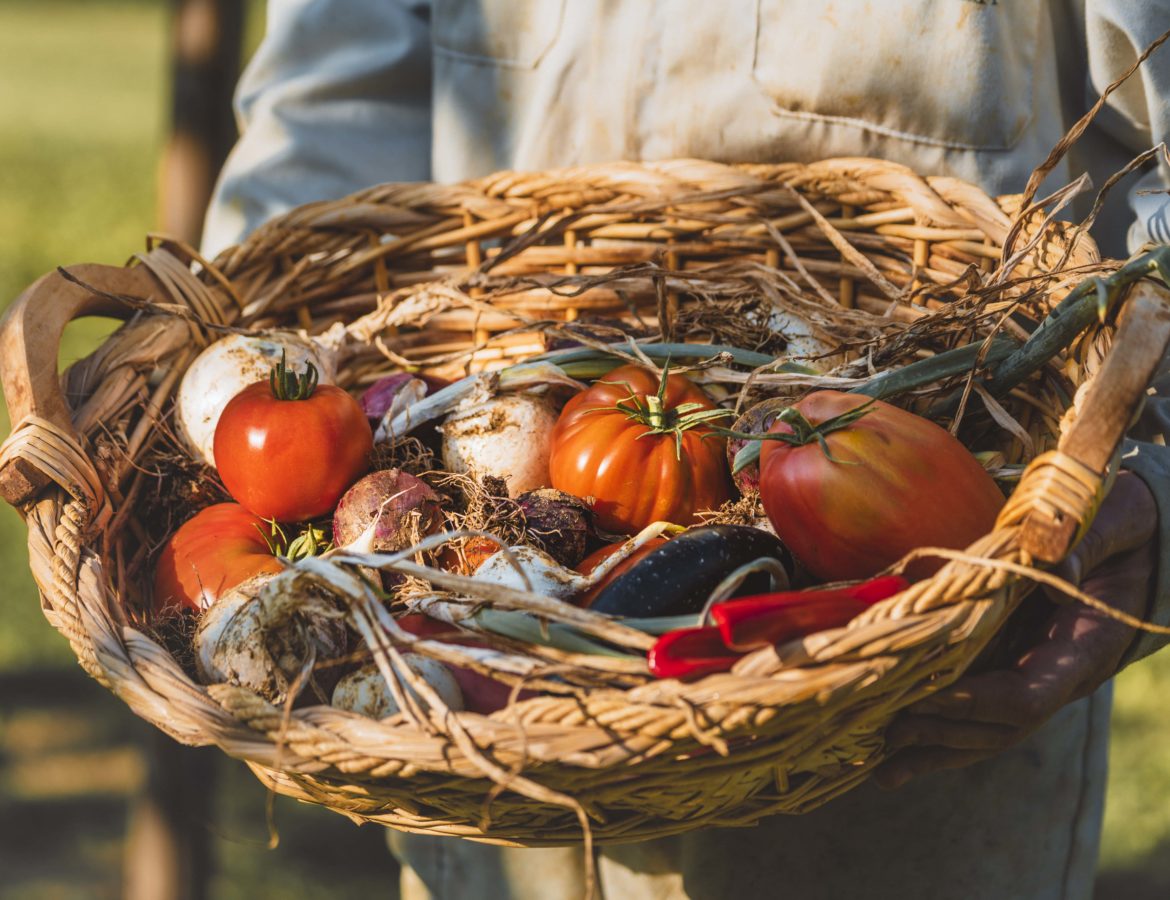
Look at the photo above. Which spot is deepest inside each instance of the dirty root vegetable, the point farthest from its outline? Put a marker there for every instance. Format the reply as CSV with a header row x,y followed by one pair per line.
x,y
288,447
544,574
365,691
386,511
393,395
211,553
851,485
679,577
266,636
757,420
557,522
223,370
507,437
802,339
641,446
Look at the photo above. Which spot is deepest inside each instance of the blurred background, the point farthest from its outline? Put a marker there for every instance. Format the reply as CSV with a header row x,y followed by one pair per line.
x,y
113,117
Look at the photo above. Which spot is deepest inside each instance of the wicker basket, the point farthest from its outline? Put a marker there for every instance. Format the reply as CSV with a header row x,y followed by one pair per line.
x,y
457,276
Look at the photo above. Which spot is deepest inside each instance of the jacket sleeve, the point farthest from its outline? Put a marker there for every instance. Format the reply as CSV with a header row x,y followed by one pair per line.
x,y
336,98
1147,456
1137,114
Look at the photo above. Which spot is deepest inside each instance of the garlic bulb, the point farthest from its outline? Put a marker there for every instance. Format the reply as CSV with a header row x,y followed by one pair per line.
x,y
262,639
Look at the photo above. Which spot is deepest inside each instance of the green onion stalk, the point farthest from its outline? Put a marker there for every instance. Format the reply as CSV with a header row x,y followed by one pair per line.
x,y
561,367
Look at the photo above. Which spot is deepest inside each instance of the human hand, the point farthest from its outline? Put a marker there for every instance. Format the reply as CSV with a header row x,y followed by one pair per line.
x,y
1078,650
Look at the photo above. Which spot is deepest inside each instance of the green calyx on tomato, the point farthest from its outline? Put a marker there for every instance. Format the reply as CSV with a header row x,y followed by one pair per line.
x,y
652,411
220,547
804,432
288,384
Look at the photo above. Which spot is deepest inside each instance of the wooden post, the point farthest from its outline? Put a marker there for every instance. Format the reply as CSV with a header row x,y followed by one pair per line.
x,y
206,42
168,846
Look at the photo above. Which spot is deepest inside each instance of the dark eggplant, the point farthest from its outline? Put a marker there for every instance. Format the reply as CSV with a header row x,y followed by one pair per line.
x,y
678,577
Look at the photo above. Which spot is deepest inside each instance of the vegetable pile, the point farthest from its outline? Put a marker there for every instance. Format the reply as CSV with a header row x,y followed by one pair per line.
x,y
600,515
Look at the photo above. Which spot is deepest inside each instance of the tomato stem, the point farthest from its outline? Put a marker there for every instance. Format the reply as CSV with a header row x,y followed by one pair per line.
x,y
803,431
651,410
288,384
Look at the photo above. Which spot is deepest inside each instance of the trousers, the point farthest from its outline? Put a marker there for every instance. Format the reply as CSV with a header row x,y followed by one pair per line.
x,y
1025,825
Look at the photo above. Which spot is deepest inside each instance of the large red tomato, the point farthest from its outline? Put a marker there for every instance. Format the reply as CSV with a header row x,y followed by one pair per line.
x,y
213,551
289,448
641,450
879,486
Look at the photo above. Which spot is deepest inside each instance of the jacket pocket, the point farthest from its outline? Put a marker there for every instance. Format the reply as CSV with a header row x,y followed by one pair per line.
x,y
954,73
512,34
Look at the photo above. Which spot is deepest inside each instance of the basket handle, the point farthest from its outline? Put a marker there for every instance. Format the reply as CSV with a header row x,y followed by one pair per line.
x,y
30,339
1086,448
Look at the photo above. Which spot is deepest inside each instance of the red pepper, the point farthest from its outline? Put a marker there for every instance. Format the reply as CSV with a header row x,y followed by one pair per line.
x,y
750,622
691,653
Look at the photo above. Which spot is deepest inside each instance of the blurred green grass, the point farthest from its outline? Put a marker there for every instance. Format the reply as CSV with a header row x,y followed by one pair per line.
x,y
83,108
83,101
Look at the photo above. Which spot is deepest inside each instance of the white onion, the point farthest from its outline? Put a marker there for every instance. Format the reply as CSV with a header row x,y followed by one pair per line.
x,y
223,370
365,690
508,436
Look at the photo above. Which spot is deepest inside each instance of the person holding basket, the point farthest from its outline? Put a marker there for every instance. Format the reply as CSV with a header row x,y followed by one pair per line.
x,y
996,788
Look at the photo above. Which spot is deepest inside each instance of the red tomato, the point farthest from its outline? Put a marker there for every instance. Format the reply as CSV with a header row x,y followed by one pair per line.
x,y
641,457
595,559
213,551
890,482
476,551
291,459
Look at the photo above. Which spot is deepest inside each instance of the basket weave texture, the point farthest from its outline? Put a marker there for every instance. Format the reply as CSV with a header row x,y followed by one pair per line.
x,y
456,277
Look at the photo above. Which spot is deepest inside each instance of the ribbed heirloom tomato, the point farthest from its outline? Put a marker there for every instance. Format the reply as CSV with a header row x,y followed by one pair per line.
x,y
638,445
213,551
856,484
288,448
